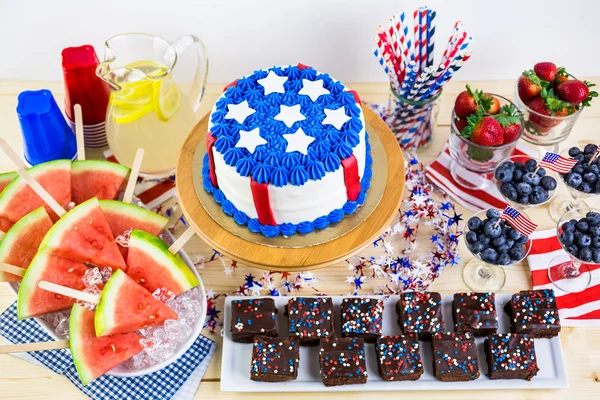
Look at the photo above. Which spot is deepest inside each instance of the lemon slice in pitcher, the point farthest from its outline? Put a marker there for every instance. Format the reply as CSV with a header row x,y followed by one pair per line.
x,y
166,98
129,113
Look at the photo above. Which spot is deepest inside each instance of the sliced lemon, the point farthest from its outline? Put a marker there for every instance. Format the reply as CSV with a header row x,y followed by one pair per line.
x,y
166,98
127,114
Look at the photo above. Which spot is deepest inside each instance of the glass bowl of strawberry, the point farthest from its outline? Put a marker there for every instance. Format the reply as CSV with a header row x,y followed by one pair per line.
x,y
552,100
485,130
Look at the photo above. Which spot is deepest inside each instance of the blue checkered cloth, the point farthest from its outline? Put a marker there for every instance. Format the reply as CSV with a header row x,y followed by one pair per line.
x,y
161,384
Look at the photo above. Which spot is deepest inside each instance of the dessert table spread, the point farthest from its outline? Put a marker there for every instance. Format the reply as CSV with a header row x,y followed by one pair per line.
x,y
20,379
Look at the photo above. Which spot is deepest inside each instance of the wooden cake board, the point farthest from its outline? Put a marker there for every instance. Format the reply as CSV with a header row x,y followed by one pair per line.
x,y
296,258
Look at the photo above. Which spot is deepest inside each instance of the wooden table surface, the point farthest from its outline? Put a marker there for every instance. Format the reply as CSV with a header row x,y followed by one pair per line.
x,y
581,346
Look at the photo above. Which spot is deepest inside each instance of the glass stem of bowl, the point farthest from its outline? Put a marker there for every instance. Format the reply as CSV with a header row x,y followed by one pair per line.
x,y
485,272
572,269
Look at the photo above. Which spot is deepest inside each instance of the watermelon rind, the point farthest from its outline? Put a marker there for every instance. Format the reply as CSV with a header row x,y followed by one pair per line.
x,y
106,309
158,250
134,212
100,165
54,235
76,344
18,183
10,239
6,178
118,174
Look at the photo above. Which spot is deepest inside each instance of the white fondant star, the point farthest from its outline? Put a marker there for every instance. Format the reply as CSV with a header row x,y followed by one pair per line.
x,y
289,115
273,83
239,112
298,141
250,140
313,89
337,118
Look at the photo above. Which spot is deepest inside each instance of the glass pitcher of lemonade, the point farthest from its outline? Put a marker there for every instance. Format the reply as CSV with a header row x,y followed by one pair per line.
x,y
156,88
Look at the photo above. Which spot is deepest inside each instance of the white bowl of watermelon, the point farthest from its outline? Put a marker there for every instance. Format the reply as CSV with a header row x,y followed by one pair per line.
x,y
87,236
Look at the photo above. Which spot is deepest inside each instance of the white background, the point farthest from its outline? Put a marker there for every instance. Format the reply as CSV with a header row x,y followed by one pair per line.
x,y
332,35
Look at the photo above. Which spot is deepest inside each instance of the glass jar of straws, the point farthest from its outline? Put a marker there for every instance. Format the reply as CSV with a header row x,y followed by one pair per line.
x,y
412,121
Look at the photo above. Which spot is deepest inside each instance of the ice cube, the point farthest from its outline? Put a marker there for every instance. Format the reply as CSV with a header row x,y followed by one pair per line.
x,y
173,329
163,294
106,273
92,277
62,328
123,238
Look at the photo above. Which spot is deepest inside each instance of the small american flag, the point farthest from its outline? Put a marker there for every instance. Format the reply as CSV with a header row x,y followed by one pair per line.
x,y
557,163
518,221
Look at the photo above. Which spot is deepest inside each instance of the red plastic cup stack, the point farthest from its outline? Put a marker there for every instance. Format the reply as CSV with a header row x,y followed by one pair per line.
x,y
83,87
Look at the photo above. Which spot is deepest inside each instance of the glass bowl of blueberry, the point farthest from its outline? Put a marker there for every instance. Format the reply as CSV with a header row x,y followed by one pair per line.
x,y
583,181
494,243
578,232
523,184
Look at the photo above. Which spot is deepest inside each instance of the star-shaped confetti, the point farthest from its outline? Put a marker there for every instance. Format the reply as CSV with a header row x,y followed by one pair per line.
x,y
289,115
313,89
298,141
273,83
337,118
239,112
250,140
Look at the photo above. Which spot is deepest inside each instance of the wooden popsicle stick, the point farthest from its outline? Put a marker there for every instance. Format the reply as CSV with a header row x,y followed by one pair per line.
x,y
67,291
182,240
37,188
135,171
11,269
39,346
14,157
79,132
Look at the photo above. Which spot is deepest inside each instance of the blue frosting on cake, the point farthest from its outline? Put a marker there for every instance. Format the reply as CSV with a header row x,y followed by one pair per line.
x,y
270,163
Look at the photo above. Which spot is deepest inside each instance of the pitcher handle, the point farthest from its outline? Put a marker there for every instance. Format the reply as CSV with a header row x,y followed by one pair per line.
x,y
182,44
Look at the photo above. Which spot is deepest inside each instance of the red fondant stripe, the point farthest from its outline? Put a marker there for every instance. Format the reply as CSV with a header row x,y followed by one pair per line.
x,y
210,142
356,98
351,178
303,66
262,203
232,84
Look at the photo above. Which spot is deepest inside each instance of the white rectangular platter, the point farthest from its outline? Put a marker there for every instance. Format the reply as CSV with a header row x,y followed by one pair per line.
x,y
236,358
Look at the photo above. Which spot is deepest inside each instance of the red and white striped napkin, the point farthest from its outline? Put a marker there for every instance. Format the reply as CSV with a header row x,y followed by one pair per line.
x,y
575,309
151,192
438,172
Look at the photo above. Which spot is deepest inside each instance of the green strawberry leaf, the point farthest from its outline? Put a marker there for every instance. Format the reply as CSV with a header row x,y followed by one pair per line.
x,y
531,75
552,101
562,72
508,115
472,121
589,84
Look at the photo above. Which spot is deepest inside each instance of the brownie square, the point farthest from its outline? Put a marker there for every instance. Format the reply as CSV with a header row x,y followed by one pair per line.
x,y
362,318
454,356
510,356
475,313
274,360
534,312
342,361
310,319
420,313
398,357
252,317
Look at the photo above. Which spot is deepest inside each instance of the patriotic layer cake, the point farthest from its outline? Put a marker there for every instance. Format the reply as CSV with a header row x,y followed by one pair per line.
x,y
287,151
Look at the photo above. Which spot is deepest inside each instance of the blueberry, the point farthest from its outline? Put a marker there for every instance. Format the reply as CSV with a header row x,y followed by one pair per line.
x,y
539,195
522,240
516,253
585,187
483,239
582,226
590,177
595,231
475,223
504,259
531,178
584,241
595,169
531,163
492,230
541,172
566,238
509,243
477,247
568,226
596,242
585,254
517,175
572,249
578,169
590,148
548,183
504,174
588,158
523,199
580,158
471,237
499,241
493,213
519,165
509,191
573,151
596,256
574,180
502,249
514,234
592,218
577,235
489,255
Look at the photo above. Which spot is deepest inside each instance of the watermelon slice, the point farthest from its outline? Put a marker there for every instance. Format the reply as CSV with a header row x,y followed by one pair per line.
x,y
124,216
94,356
126,306
151,264
33,301
18,199
5,179
21,242
83,235
96,178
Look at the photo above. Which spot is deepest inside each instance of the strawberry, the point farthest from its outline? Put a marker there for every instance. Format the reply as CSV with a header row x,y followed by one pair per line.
x,y
545,71
561,76
529,86
574,91
469,101
495,105
512,132
510,119
484,130
461,124
549,106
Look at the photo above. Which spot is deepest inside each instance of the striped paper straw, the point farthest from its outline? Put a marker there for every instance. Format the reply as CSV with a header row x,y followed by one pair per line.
x,y
423,28
416,38
430,36
411,71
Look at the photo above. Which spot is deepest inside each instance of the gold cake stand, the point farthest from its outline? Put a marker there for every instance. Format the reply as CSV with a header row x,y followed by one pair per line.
x,y
297,252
